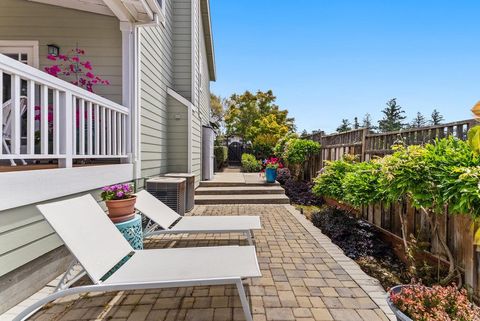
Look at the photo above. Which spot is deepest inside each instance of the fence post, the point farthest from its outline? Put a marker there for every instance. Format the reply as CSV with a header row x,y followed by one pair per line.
x,y
364,141
66,129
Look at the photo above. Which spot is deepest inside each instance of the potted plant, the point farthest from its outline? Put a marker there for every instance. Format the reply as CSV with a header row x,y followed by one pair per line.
x,y
120,202
419,302
271,166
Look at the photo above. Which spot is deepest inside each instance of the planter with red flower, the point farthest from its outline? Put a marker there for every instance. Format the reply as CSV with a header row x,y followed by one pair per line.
x,y
120,202
271,166
418,302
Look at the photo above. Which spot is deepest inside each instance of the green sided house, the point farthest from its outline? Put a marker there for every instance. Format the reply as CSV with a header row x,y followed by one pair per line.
x,y
59,140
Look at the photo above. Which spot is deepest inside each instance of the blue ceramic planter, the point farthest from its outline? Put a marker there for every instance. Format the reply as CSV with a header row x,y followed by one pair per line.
x,y
270,175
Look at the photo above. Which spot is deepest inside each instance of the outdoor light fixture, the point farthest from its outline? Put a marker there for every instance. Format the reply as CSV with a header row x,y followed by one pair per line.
x,y
53,50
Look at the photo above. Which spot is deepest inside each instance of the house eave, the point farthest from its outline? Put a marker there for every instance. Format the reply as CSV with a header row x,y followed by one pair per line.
x,y
207,30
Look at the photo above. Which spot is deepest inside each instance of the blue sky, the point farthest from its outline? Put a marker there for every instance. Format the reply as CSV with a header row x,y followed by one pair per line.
x,y
328,60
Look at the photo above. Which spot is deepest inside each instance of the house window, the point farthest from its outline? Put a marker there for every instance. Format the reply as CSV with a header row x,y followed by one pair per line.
x,y
23,51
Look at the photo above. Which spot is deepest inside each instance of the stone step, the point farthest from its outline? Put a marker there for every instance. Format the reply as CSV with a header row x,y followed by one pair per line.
x,y
234,184
239,190
242,199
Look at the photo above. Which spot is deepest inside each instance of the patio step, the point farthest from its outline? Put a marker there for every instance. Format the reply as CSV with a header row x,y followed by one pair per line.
x,y
242,199
240,190
235,184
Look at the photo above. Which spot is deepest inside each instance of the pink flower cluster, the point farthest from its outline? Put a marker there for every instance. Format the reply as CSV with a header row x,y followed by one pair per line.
x,y
117,192
74,67
439,303
272,162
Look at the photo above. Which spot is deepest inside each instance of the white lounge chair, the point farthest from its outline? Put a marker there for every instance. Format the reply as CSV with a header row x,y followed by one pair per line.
x,y
99,247
172,223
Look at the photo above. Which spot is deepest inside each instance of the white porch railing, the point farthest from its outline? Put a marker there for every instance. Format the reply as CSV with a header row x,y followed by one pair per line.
x,y
48,118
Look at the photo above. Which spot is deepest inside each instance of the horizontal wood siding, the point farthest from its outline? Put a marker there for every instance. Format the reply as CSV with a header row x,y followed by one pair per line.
x,y
182,39
196,148
156,74
177,136
204,80
98,35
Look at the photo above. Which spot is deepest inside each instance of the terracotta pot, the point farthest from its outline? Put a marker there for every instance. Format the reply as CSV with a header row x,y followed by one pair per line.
x,y
121,210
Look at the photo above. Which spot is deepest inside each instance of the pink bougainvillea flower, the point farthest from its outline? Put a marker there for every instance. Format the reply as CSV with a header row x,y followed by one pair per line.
x,y
52,57
87,65
62,57
76,59
90,75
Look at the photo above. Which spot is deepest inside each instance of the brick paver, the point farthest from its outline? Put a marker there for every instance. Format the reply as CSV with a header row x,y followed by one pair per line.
x,y
301,281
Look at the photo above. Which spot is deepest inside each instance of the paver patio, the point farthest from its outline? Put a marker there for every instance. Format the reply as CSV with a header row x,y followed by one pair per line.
x,y
305,277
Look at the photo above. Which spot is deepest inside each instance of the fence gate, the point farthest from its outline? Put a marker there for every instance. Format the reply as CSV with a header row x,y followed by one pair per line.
x,y
235,151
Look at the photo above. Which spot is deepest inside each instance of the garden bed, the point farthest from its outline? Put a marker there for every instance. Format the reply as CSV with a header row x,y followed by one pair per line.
x,y
361,242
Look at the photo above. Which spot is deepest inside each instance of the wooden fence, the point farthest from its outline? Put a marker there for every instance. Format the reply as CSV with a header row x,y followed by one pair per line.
x,y
366,144
456,231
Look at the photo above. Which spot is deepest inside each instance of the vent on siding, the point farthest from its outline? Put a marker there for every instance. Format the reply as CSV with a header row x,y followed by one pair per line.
x,y
170,191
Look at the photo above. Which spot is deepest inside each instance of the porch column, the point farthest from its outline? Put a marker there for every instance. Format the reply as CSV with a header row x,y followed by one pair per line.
x,y
130,92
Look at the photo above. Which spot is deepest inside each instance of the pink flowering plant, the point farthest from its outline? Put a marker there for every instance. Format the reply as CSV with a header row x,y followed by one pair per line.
x,y
439,303
76,68
272,163
117,192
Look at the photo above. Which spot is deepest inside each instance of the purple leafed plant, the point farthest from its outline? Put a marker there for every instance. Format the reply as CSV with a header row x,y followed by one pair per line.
x,y
117,192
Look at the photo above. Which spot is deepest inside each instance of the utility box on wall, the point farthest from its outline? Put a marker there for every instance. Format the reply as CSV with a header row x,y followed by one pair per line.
x,y
208,157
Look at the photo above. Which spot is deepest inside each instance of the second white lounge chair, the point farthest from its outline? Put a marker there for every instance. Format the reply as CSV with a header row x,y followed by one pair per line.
x,y
172,223
113,265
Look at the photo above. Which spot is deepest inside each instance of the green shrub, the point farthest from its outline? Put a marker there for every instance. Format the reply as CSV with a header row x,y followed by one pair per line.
x,y
360,184
250,164
330,182
221,156
297,150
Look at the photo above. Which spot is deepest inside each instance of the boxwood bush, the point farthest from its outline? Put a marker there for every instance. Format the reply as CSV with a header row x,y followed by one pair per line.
x,y
250,164
221,156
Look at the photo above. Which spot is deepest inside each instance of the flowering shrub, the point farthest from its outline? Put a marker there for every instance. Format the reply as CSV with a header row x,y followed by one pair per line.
x,y
117,192
73,66
420,302
272,163
283,175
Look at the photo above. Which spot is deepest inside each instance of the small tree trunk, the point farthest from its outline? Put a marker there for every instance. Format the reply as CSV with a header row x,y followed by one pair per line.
x,y
432,219
412,269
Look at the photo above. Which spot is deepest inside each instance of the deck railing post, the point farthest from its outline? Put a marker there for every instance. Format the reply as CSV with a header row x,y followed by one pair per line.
x,y
66,129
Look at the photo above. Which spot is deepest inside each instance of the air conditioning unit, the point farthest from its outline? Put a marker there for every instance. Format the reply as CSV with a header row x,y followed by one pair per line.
x,y
169,190
190,198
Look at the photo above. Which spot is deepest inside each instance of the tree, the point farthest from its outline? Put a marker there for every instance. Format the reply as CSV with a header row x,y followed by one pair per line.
x,y
367,122
436,118
393,115
418,121
267,132
344,126
356,125
304,134
245,115
217,107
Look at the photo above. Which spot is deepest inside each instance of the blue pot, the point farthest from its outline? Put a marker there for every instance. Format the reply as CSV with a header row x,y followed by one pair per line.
x,y
270,175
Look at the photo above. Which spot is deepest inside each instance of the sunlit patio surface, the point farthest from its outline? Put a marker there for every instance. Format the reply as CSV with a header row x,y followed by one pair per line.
x,y
305,277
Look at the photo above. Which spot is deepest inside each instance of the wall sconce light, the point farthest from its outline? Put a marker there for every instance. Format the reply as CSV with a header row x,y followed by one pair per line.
x,y
53,50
